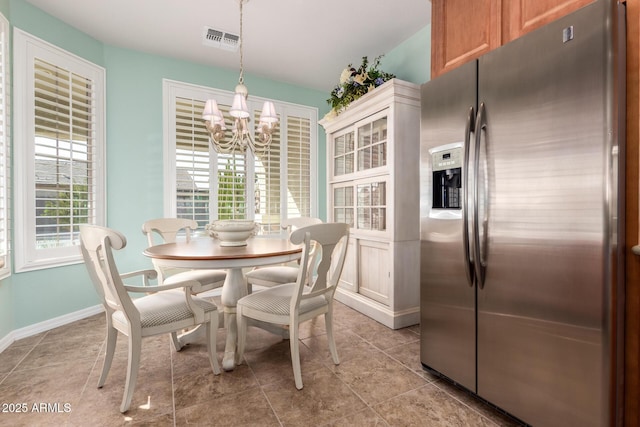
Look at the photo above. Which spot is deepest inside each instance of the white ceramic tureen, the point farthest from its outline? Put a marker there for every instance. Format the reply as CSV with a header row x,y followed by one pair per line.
x,y
232,232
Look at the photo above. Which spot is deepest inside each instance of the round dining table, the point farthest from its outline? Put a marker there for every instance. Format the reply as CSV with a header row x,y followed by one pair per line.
x,y
207,253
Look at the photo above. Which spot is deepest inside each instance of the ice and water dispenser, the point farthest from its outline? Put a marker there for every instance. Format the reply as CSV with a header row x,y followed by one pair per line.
x,y
447,177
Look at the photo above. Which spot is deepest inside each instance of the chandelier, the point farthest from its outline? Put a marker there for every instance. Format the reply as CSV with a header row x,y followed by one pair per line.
x,y
241,138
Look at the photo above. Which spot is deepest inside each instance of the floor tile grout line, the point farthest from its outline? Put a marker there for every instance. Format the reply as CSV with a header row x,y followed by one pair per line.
x,y
261,388
418,373
366,404
95,363
370,406
23,357
435,384
275,414
173,387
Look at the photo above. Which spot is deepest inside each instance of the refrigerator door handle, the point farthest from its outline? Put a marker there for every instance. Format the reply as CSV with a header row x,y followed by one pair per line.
x,y
466,230
480,242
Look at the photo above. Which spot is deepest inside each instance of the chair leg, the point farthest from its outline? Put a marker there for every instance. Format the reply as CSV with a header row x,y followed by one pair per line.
x,y
212,332
135,344
295,353
328,322
241,325
112,338
175,341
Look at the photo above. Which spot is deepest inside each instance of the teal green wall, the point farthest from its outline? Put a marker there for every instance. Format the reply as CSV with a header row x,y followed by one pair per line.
x,y
411,60
6,308
134,149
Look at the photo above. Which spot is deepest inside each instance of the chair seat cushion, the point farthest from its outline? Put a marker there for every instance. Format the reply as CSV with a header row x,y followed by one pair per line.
x,y
277,301
163,308
276,274
205,277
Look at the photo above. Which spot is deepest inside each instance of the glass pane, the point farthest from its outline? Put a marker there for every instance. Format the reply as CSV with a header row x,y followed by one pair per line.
x,y
375,156
348,163
378,220
339,145
364,159
364,215
364,195
382,219
348,142
382,154
338,215
379,130
338,197
364,135
348,196
338,167
348,216
378,196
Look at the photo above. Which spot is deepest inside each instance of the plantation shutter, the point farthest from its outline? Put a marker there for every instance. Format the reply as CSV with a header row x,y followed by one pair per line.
x,y
298,167
268,198
197,192
65,168
193,160
267,186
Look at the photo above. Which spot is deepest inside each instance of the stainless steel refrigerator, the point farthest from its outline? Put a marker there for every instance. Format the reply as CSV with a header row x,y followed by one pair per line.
x,y
521,252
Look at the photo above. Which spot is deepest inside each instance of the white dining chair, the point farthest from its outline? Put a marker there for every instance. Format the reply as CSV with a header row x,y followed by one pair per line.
x,y
293,303
167,230
166,308
279,274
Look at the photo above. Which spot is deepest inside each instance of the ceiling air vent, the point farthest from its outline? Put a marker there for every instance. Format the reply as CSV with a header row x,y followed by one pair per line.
x,y
220,39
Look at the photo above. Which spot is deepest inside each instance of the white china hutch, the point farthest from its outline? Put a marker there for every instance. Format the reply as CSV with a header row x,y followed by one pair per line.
x,y
373,153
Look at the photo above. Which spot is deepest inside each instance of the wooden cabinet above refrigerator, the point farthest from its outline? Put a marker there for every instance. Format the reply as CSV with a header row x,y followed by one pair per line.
x,y
462,30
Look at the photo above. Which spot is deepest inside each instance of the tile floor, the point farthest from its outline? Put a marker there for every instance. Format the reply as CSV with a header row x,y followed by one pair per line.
x,y
379,381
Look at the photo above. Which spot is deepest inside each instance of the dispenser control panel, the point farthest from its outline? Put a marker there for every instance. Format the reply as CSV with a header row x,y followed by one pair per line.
x,y
447,178
447,159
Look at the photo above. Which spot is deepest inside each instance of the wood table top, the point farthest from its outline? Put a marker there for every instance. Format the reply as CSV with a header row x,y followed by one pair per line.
x,y
210,249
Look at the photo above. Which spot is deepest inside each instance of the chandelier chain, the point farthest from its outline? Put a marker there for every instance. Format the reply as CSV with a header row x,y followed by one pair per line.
x,y
241,78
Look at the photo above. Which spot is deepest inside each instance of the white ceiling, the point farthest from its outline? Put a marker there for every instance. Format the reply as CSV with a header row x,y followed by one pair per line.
x,y
302,42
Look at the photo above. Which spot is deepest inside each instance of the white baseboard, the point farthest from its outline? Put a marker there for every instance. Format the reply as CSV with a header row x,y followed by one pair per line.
x,y
47,325
380,313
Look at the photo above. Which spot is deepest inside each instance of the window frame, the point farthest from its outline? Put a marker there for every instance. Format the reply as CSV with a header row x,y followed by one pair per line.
x,y
173,89
26,49
5,156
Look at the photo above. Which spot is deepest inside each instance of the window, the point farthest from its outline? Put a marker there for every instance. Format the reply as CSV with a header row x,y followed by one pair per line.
x,y
59,150
5,268
206,185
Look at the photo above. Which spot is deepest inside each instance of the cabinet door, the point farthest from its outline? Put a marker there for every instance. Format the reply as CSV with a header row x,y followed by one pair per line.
x,y
373,270
462,30
521,16
349,278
